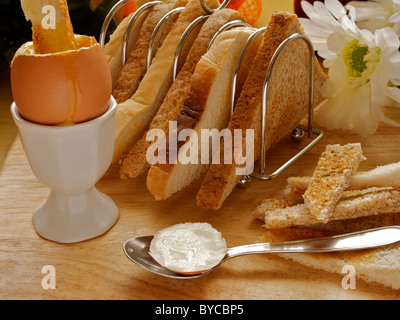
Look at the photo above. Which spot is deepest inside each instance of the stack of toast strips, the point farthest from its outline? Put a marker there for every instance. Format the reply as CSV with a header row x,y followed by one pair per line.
x,y
337,199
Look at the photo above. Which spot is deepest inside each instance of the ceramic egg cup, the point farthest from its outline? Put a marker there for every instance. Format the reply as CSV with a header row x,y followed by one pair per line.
x,y
70,160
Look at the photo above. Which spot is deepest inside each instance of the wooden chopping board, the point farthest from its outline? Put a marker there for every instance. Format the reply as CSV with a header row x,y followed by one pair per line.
x,y
99,269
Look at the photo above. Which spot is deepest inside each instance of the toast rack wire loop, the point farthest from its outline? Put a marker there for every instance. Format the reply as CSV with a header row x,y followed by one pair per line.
x,y
157,31
226,26
183,40
311,131
207,9
241,56
131,23
107,20
155,35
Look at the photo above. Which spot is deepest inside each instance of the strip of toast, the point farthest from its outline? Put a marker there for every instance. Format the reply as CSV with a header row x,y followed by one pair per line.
x,y
380,265
270,205
381,176
50,40
133,116
132,73
135,163
343,226
287,103
353,204
331,177
207,106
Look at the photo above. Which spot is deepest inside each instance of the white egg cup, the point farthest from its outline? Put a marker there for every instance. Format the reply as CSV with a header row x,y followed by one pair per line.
x,y
70,160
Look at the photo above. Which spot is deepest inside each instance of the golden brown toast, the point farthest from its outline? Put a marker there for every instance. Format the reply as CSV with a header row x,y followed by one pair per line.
x,y
135,163
331,177
287,103
353,204
132,73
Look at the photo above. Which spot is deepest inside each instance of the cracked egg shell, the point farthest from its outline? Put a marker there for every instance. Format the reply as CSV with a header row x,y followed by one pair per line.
x,y
63,87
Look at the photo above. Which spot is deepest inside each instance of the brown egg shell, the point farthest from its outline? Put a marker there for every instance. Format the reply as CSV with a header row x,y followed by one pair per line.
x,y
66,86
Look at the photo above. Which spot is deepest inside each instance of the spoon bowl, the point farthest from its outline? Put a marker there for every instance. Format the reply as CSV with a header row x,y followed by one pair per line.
x,y
137,249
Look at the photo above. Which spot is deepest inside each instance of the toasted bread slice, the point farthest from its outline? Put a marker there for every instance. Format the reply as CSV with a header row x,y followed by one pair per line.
x,y
57,38
357,224
130,75
353,204
135,163
134,115
334,226
113,48
381,176
380,265
207,106
331,177
287,103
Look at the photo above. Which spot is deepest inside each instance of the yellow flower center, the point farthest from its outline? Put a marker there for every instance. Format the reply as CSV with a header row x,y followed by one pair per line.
x,y
353,56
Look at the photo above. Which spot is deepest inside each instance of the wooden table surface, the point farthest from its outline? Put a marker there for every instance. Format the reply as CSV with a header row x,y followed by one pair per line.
x,y
98,268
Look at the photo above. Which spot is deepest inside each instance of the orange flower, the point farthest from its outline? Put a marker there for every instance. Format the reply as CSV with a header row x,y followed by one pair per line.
x,y
125,11
129,8
251,9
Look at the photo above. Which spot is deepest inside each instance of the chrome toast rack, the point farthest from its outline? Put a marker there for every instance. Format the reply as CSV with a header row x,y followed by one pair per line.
x,y
297,134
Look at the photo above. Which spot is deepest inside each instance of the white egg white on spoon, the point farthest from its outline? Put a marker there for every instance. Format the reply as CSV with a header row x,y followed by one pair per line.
x,y
188,248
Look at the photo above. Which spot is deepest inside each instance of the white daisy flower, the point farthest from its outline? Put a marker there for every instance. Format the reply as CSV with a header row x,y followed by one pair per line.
x,y
323,20
373,15
364,70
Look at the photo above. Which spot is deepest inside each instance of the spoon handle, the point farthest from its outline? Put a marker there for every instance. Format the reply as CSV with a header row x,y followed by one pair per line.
x,y
371,238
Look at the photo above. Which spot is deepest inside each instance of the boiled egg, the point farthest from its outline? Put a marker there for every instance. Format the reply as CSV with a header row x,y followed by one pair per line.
x,y
67,87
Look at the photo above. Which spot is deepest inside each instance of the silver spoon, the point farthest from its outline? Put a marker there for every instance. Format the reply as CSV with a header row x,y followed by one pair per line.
x,y
137,249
